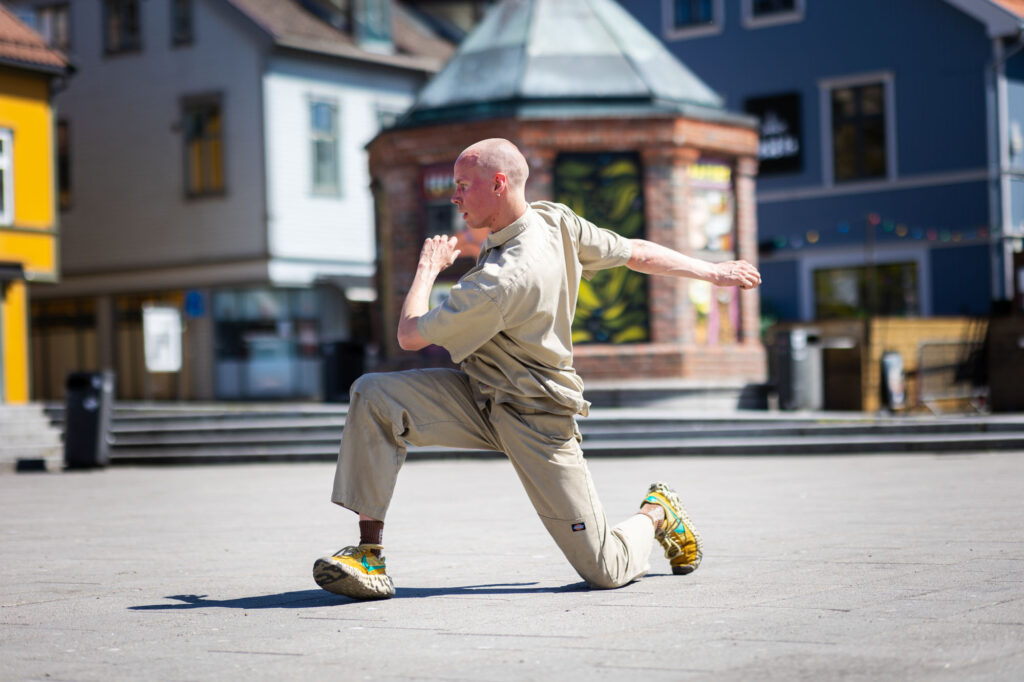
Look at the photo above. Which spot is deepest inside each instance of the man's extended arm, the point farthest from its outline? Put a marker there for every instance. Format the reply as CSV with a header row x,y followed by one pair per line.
x,y
438,253
654,259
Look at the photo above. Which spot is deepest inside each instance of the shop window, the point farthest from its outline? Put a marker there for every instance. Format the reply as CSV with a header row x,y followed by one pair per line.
x,y
889,289
859,138
607,190
122,30
712,220
204,146
52,22
692,18
323,117
267,343
6,177
181,22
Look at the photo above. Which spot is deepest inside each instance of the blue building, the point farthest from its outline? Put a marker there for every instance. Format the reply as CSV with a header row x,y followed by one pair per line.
x,y
891,174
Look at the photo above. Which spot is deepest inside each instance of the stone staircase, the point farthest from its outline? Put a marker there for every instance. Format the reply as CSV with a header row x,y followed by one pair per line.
x,y
222,433
28,439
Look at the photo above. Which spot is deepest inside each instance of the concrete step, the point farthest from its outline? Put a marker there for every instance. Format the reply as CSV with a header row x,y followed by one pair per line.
x,y
835,445
28,441
183,433
329,431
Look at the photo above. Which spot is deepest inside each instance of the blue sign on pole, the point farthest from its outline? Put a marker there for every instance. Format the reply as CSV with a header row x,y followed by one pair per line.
x,y
195,304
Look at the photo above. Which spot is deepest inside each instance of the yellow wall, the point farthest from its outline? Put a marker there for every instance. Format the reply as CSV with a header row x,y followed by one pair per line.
x,y
25,109
32,239
15,347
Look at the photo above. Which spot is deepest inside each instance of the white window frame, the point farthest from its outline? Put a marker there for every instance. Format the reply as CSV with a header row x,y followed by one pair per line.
x,y
672,32
7,171
324,190
825,88
777,19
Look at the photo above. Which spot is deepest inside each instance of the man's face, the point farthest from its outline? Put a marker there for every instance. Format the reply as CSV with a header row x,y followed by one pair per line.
x,y
474,194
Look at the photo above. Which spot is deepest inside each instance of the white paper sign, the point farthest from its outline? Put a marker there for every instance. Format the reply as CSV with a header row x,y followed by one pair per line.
x,y
161,331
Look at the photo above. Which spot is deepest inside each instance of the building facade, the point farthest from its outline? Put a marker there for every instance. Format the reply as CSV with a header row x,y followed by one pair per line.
x,y
891,152
216,168
29,227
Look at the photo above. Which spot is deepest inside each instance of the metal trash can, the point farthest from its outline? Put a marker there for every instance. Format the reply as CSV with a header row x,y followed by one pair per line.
x,y
87,413
798,370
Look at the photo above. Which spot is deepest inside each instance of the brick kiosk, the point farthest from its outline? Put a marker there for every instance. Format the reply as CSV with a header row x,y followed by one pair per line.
x,y
687,156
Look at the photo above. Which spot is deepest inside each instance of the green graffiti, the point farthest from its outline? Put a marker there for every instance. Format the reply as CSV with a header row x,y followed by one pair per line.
x,y
607,190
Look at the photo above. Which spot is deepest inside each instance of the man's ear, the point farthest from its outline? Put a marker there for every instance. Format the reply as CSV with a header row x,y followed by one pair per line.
x,y
500,182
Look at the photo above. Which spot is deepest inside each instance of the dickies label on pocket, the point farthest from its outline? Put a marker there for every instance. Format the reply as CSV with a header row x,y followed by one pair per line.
x,y
577,527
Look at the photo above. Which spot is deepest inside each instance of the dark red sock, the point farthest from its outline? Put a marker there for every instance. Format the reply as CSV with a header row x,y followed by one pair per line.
x,y
371,533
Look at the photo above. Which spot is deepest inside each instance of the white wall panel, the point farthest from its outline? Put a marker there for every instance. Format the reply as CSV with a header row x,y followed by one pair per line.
x,y
302,224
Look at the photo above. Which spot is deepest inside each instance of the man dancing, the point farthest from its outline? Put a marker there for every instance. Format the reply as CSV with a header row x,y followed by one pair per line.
x,y
507,323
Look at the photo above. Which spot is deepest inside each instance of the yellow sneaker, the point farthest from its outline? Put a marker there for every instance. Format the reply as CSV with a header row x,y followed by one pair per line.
x,y
354,572
682,542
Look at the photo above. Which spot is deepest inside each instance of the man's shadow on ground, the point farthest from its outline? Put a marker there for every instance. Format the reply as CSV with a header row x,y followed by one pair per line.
x,y
307,599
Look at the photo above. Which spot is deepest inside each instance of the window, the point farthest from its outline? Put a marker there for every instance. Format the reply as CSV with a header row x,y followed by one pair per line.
x,y
387,116
760,8
759,13
52,23
63,165
859,132
6,177
862,291
692,13
324,136
121,26
181,22
372,25
692,18
204,146
780,149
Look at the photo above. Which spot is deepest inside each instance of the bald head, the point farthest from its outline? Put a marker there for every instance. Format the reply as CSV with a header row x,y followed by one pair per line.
x,y
497,155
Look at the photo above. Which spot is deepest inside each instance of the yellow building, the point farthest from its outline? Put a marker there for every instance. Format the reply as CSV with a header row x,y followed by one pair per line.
x,y
28,205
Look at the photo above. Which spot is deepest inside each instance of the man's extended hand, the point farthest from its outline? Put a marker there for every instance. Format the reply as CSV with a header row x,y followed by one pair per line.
x,y
439,253
736,273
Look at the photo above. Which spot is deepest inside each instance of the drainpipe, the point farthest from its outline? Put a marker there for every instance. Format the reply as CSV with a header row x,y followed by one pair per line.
x,y
1002,256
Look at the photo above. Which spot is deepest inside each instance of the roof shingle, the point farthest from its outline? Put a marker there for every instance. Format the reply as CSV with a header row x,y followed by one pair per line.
x,y
1015,6
291,25
23,47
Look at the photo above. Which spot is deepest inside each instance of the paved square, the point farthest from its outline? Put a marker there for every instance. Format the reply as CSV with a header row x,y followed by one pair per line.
x,y
816,568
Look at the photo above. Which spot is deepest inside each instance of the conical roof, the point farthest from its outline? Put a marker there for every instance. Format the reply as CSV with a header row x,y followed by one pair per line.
x,y
562,57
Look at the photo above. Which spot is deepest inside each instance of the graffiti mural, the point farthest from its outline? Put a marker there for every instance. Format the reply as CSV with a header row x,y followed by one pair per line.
x,y
607,190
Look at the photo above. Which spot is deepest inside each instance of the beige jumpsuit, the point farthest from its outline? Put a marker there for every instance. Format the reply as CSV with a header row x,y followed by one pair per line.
x,y
508,324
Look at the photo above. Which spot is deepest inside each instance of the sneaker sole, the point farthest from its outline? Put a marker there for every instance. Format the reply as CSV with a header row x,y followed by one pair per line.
x,y
332,577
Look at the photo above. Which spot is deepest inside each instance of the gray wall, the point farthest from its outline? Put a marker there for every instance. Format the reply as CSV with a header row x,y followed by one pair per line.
x,y
128,199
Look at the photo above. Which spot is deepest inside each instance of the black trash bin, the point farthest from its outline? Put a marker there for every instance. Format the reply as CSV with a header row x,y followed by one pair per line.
x,y
87,412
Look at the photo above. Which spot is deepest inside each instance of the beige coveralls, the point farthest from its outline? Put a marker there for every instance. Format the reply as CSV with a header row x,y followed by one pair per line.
x,y
508,323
